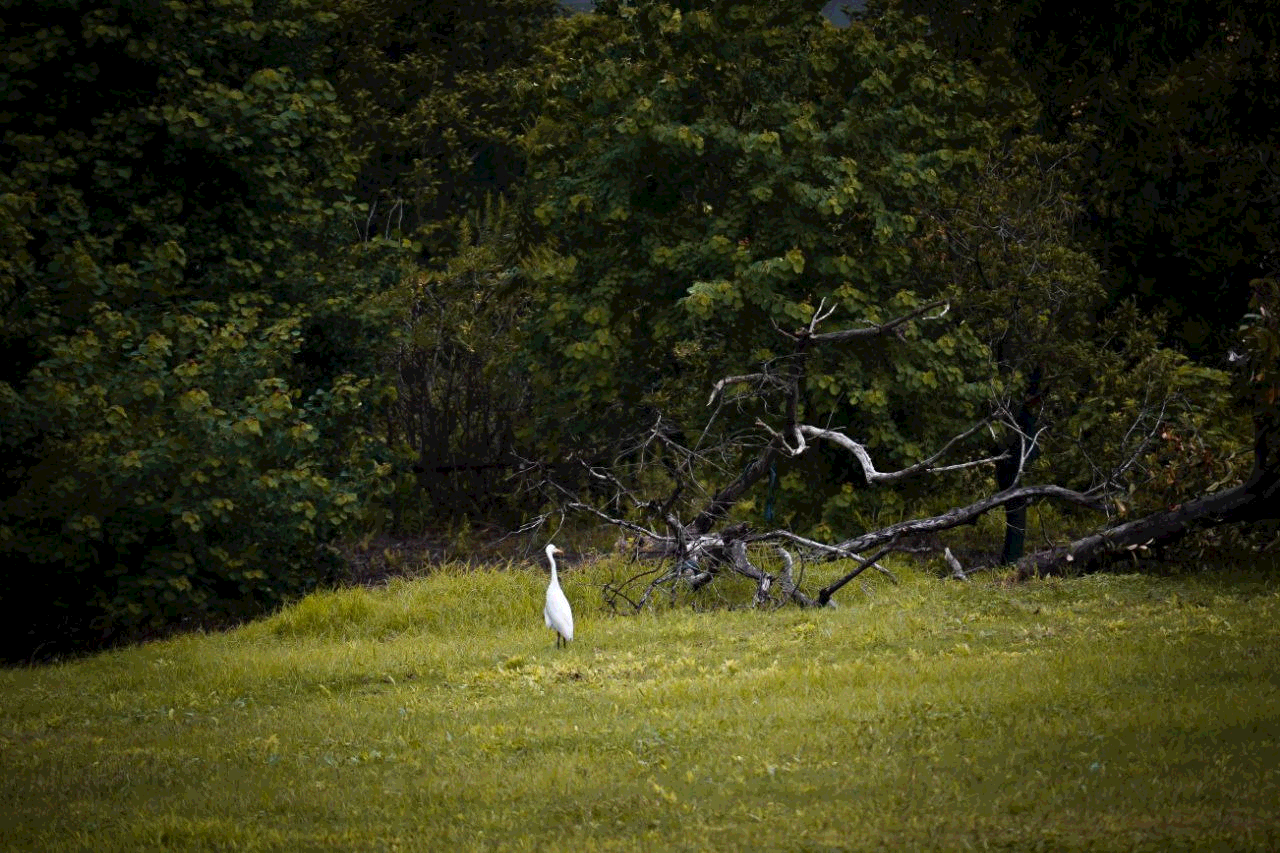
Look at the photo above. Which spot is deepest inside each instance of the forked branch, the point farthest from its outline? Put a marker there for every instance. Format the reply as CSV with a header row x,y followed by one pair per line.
x,y
924,465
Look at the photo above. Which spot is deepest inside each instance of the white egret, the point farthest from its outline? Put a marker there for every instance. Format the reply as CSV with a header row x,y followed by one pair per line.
x,y
557,613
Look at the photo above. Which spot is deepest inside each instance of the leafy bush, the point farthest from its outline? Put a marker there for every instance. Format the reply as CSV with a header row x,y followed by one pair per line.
x,y
188,370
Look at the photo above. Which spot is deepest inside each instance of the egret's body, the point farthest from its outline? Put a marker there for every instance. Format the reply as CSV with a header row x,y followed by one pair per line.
x,y
556,613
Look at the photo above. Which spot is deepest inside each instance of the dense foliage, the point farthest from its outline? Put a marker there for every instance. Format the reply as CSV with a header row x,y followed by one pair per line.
x,y
719,170
715,173
176,440
1185,100
431,89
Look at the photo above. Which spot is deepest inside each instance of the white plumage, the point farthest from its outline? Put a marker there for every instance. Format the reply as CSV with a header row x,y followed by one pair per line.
x,y
556,613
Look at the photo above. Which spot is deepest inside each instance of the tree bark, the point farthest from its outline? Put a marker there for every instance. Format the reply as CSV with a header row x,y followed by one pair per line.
x,y
968,514
1257,499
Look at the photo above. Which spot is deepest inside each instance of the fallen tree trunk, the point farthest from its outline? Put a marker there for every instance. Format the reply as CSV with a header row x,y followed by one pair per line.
x,y
1257,499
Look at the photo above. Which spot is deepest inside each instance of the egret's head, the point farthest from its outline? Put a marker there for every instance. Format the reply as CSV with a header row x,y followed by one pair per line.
x,y
552,550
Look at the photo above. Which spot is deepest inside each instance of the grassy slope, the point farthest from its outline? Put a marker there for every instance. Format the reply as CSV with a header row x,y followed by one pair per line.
x,y
1103,713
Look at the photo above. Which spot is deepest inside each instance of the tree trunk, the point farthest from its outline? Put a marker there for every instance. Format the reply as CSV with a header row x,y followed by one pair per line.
x,y
1020,449
1257,499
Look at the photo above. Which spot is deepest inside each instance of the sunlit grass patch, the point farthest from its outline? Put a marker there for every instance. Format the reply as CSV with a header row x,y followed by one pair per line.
x,y
1107,712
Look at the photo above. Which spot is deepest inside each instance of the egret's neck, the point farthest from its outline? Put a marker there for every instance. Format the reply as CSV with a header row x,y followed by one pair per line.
x,y
553,569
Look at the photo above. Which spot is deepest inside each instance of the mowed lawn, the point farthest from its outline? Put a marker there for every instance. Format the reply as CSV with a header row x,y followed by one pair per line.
x,y
1111,712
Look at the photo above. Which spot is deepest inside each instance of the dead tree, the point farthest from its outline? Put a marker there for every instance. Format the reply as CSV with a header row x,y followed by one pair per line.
x,y
698,546
685,527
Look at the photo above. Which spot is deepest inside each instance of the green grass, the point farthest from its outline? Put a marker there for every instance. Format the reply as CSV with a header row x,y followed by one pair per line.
x,y
1109,712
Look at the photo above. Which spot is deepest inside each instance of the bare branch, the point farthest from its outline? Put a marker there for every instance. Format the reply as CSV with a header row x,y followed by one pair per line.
x,y
743,566
788,564
780,440
834,551
970,513
616,522
824,594
819,316
1142,446
869,468
831,552
612,592
719,387
876,330
765,581
724,500
603,475
368,223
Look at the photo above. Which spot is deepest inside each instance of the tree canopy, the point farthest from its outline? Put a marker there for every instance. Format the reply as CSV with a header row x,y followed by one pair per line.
x,y
722,169
1182,99
173,180
431,89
